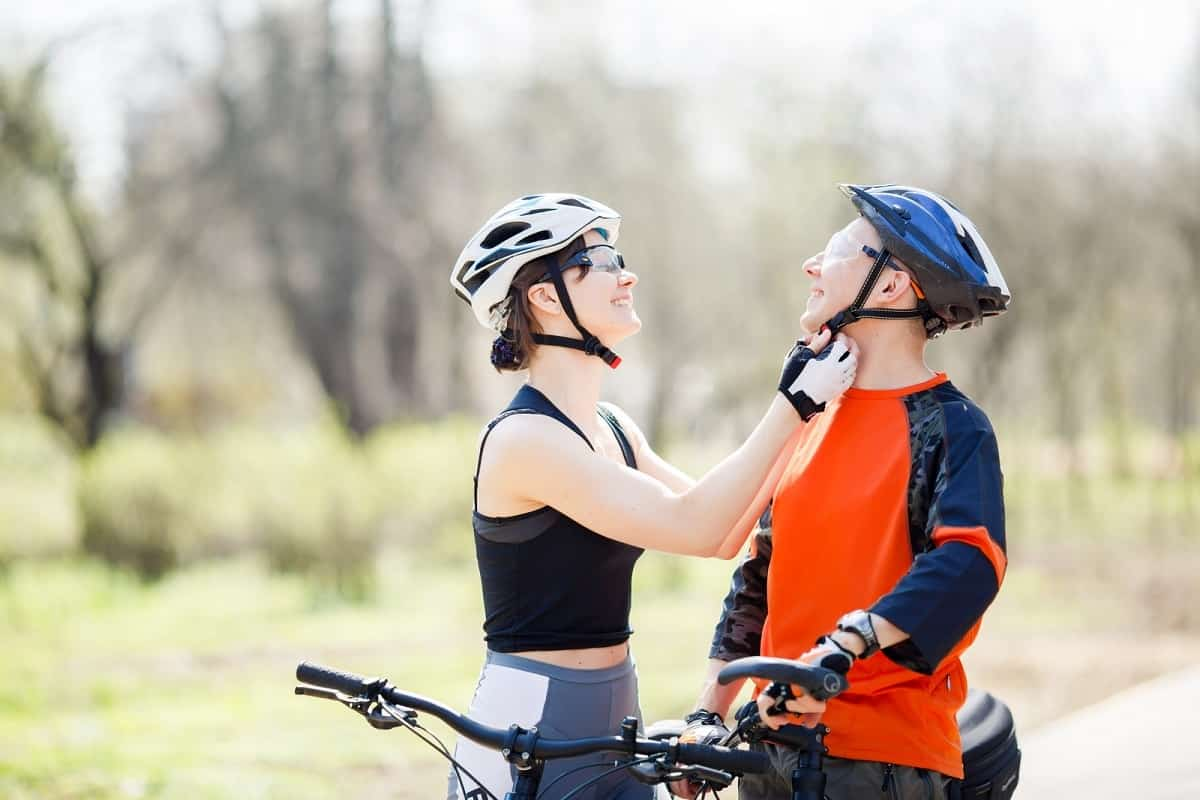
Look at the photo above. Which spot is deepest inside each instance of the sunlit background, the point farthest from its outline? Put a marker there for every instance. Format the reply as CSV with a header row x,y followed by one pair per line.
x,y
239,401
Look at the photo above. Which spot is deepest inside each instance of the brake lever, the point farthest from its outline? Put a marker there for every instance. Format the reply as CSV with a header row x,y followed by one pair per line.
x,y
660,770
377,716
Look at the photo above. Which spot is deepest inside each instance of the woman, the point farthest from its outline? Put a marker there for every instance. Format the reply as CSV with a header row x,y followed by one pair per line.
x,y
568,492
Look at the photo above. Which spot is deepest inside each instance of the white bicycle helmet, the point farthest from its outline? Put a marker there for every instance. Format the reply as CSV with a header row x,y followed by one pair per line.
x,y
523,230
528,228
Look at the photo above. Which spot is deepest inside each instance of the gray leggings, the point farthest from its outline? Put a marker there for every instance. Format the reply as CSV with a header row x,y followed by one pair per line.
x,y
845,780
564,704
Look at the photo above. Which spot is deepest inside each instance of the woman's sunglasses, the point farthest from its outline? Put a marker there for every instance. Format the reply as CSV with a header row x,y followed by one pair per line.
x,y
601,257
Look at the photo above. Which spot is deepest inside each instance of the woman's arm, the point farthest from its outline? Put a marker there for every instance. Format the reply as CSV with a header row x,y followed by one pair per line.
x,y
540,460
678,481
648,461
749,520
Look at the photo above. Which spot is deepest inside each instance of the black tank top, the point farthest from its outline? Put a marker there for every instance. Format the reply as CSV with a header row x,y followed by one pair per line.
x,y
549,583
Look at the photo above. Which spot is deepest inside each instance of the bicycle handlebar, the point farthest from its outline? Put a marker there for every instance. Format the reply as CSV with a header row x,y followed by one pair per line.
x,y
345,682
818,682
521,741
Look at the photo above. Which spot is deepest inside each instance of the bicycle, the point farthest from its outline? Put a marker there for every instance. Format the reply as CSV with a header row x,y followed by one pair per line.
x,y
653,759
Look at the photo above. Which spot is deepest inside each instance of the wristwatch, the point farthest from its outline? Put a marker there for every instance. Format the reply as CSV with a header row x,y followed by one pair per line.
x,y
859,623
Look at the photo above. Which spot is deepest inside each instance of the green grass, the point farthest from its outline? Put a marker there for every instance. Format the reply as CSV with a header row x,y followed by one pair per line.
x,y
182,689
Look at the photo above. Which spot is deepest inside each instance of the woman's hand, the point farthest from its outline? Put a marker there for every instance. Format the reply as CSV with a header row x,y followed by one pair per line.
x,y
816,373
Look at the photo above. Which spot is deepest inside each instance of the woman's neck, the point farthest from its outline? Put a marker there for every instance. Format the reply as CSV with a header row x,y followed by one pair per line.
x,y
571,379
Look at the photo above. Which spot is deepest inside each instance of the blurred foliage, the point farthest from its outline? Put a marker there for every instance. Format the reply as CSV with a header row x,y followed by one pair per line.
x,y
37,490
315,501
303,497
422,483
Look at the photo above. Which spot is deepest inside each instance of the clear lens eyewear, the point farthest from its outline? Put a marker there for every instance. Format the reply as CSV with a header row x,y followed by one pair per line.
x,y
842,247
600,257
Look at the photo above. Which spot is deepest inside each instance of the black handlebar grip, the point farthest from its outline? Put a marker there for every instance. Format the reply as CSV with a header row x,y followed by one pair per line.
x,y
740,762
818,682
344,682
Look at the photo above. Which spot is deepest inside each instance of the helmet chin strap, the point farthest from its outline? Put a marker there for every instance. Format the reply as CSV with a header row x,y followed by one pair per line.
x,y
589,343
855,311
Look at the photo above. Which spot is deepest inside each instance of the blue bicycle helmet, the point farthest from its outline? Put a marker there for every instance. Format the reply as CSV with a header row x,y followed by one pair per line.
x,y
958,280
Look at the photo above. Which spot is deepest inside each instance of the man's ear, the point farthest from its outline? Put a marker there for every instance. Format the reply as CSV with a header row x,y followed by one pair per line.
x,y
893,285
544,296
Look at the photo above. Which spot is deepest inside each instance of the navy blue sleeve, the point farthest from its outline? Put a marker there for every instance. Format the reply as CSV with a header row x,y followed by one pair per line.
x,y
949,586
739,632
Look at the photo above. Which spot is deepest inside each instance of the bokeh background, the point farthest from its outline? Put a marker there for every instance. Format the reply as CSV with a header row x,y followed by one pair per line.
x,y
239,402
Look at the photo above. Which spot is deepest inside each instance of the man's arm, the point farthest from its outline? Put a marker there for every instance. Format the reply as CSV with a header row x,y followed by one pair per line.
x,y
738,634
948,588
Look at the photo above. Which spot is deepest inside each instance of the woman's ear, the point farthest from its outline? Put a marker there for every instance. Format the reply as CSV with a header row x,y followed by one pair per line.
x,y
544,296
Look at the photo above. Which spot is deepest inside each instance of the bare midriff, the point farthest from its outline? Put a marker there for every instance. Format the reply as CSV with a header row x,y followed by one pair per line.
x,y
586,658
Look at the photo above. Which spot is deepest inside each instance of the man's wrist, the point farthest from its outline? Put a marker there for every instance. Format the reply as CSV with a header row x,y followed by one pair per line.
x,y
857,625
850,641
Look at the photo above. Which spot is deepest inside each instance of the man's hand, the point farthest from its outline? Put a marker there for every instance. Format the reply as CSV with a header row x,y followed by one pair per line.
x,y
837,652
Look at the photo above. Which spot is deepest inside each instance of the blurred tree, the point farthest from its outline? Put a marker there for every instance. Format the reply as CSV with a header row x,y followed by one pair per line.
x,y
315,162
75,372
1177,195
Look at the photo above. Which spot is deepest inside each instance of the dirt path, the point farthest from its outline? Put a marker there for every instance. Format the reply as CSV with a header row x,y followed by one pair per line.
x,y
1142,742
1044,678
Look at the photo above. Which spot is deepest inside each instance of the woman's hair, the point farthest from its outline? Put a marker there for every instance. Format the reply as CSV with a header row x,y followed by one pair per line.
x,y
512,349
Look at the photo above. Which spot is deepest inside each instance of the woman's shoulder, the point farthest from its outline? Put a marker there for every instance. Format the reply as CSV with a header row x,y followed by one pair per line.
x,y
628,426
517,436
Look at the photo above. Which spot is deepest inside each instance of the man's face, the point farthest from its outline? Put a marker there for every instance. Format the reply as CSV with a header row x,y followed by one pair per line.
x,y
838,273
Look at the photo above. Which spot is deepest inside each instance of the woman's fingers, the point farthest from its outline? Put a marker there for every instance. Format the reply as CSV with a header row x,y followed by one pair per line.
x,y
818,340
850,344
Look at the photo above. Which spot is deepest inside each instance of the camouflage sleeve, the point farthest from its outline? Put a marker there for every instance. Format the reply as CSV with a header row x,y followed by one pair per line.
x,y
739,632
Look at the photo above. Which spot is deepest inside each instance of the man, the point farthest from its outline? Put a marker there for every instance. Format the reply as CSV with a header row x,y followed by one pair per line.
x,y
883,542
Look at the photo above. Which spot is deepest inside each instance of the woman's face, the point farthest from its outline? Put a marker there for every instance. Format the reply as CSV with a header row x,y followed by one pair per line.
x,y
838,273
603,299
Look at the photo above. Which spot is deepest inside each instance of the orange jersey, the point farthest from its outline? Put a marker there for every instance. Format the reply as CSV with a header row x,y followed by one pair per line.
x,y
878,477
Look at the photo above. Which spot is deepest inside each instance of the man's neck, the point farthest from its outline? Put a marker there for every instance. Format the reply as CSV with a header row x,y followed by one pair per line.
x,y
888,358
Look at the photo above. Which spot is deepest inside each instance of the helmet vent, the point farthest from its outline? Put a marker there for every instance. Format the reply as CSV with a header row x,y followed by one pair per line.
x,y
503,233
533,211
477,280
536,236
531,197
973,251
571,201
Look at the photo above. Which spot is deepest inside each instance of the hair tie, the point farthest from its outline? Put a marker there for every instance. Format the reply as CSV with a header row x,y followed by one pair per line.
x,y
504,354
